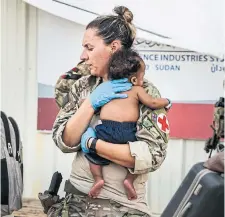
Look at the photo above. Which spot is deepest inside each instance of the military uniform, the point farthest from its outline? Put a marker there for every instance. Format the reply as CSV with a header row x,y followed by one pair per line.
x,y
149,152
65,82
218,118
80,205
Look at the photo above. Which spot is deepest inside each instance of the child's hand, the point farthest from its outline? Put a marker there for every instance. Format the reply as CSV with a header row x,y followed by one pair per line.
x,y
168,107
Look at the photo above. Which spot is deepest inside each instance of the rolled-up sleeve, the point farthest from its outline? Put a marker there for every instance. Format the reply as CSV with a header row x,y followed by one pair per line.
x,y
79,91
148,152
58,128
143,158
150,149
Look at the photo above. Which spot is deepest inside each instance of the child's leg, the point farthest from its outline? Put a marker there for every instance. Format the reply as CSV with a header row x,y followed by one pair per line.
x,y
129,187
96,171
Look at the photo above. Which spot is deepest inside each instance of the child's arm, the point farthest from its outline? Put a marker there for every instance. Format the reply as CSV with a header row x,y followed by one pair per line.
x,y
148,100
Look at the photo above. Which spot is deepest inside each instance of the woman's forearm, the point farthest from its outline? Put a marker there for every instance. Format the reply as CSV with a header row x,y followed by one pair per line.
x,y
117,153
77,124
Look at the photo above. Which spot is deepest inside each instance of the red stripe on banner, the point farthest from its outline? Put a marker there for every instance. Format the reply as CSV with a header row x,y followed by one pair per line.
x,y
187,121
191,121
47,112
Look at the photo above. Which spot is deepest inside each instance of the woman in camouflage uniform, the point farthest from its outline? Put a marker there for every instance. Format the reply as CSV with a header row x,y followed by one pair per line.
x,y
103,36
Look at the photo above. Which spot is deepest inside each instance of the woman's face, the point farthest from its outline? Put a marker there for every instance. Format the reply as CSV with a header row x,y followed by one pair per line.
x,y
96,53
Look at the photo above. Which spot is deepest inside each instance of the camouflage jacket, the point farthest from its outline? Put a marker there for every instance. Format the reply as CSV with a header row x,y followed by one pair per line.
x,y
153,126
218,118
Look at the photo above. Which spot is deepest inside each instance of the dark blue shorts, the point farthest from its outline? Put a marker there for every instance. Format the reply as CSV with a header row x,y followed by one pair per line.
x,y
113,132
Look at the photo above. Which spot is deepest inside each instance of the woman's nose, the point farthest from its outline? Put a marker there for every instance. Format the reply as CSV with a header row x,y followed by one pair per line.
x,y
84,56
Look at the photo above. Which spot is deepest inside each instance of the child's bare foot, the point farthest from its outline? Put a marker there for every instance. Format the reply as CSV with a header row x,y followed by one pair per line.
x,y
131,193
96,188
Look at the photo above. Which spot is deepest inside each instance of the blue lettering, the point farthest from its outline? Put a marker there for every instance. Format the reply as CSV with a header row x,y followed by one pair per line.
x,y
177,68
150,57
205,58
212,59
217,68
167,67
164,57
145,57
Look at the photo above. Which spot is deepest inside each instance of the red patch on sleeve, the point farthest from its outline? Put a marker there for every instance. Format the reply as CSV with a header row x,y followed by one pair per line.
x,y
75,69
63,76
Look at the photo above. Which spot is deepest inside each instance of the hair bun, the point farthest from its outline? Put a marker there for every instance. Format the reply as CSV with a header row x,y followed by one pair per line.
x,y
124,12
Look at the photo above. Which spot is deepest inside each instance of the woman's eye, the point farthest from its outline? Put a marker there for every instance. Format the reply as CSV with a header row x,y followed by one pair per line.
x,y
90,49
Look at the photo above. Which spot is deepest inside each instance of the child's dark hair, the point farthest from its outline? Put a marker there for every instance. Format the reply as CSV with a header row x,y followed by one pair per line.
x,y
123,64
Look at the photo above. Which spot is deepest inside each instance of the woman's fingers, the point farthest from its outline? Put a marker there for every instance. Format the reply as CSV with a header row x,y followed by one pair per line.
x,y
107,90
122,87
119,96
119,81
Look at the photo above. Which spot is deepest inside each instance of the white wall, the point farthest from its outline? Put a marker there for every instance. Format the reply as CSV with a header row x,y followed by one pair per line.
x,y
50,159
29,45
59,46
18,76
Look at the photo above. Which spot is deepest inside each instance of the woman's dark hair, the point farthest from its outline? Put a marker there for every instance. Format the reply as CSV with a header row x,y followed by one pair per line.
x,y
123,64
115,27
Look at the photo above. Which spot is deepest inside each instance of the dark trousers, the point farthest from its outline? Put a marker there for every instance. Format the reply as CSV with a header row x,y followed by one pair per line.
x,y
113,132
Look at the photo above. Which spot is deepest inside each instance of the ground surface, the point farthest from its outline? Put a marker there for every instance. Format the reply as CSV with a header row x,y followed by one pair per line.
x,y
31,208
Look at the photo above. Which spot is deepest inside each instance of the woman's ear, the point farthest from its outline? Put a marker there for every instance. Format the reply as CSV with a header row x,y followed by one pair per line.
x,y
133,80
110,50
115,45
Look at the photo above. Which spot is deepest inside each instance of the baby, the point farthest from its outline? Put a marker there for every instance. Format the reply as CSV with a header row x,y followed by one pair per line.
x,y
119,116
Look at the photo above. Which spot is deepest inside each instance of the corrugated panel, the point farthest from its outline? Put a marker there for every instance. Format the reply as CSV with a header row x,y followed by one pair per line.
x,y
163,182
18,76
49,159
13,57
194,152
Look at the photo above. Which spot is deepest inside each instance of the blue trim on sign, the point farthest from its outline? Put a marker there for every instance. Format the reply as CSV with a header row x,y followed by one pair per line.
x,y
171,51
46,91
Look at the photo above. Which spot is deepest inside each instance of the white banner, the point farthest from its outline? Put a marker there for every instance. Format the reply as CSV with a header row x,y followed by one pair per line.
x,y
183,75
179,74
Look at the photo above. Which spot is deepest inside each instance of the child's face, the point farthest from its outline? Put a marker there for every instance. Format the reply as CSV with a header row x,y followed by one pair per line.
x,y
140,75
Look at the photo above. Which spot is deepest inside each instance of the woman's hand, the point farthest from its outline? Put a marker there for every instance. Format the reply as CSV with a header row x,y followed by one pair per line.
x,y
109,90
89,133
